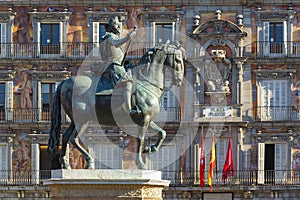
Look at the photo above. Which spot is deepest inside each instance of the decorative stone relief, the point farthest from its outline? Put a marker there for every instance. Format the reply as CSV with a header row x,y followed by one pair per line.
x,y
217,71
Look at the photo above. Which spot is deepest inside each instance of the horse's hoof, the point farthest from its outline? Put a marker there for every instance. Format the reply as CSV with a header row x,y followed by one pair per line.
x,y
141,166
147,150
90,164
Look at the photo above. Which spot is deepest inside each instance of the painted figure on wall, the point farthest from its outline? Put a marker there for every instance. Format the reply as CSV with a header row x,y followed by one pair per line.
x,y
22,25
23,87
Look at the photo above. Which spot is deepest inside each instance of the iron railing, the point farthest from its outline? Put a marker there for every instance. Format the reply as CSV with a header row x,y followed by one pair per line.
x,y
176,178
264,49
276,113
23,178
34,115
240,178
72,50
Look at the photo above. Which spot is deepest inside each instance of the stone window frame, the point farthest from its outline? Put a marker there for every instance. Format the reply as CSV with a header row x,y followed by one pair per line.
x,y
6,23
165,17
60,17
263,18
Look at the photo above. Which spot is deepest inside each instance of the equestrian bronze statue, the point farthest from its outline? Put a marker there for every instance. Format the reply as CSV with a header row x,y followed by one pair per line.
x,y
80,95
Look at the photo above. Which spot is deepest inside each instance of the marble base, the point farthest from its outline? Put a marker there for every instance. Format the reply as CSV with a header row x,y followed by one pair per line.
x,y
105,184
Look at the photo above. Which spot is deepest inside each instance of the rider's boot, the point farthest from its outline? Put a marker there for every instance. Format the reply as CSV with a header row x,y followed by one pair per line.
x,y
127,97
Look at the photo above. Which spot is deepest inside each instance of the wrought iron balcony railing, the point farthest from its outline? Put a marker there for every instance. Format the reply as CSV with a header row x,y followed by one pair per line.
x,y
276,113
265,49
72,50
34,115
176,178
240,178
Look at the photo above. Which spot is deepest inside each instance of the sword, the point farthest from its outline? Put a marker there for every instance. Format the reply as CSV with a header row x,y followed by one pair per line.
x,y
127,48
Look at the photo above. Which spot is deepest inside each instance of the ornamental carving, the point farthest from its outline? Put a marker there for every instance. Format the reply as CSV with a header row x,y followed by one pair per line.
x,y
50,16
217,71
102,17
163,16
50,75
281,15
7,16
7,75
274,74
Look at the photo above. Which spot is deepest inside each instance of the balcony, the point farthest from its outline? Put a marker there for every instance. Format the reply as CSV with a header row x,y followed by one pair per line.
x,y
266,49
35,115
176,178
79,50
276,113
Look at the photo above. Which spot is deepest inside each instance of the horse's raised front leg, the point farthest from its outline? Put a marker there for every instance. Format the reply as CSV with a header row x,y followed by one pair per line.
x,y
90,164
140,142
66,136
162,136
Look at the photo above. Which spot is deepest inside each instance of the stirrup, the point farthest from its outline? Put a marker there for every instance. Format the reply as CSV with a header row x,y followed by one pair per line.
x,y
133,112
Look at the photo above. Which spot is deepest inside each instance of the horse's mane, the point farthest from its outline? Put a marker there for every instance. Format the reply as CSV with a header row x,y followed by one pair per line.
x,y
152,51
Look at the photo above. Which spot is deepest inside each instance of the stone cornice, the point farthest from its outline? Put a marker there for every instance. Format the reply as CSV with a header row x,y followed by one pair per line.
x,y
7,75
262,74
162,16
102,16
50,16
49,75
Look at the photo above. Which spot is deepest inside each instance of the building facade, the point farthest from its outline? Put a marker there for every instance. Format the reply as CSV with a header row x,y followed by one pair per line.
x,y
241,82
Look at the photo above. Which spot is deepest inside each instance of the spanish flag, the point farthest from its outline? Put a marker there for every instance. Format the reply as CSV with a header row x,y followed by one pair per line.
x,y
212,162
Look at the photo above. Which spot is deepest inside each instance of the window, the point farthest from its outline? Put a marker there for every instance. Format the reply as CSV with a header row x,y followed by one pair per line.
x,y
50,33
50,38
221,146
164,32
164,160
274,32
275,38
163,26
98,33
3,159
48,91
274,99
272,162
2,101
107,156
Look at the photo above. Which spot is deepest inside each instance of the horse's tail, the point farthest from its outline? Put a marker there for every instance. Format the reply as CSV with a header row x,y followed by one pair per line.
x,y
54,134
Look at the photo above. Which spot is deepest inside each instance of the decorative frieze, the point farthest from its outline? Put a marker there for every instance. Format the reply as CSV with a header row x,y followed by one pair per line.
x,y
274,74
50,16
49,75
163,16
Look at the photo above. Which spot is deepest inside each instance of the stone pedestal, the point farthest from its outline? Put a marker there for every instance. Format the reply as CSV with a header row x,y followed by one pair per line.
x,y
105,184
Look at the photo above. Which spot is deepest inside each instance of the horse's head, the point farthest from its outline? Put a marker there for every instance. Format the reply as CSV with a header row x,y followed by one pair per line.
x,y
175,55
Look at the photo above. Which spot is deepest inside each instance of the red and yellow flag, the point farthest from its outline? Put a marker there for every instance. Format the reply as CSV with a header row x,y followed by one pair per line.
x,y
212,162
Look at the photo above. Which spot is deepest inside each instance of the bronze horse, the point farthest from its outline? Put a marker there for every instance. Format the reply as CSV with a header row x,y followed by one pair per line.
x,y
148,83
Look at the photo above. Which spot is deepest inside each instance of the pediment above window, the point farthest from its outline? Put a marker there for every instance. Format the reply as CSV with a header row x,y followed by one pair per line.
x,y
103,17
7,75
163,16
7,16
261,74
219,27
274,15
50,16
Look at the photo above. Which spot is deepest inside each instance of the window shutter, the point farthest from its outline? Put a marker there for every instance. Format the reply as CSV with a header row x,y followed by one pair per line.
x,y
96,38
61,40
280,161
3,158
261,163
3,40
107,156
266,42
285,38
221,152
